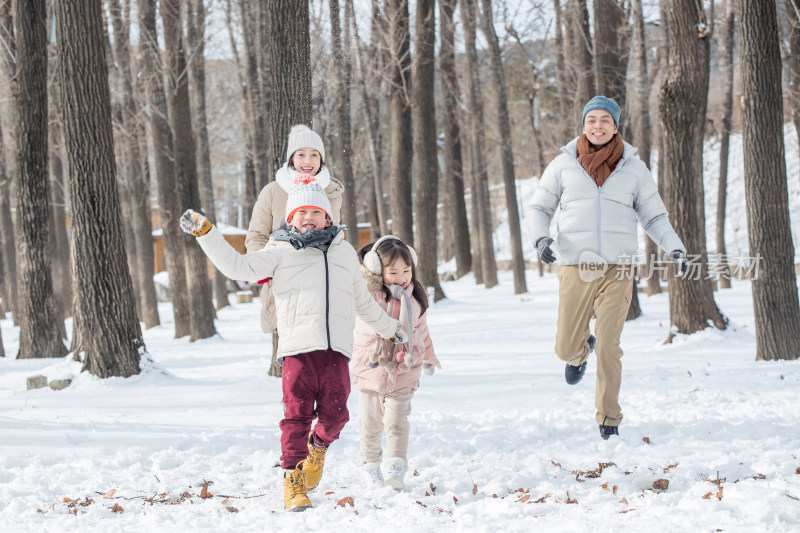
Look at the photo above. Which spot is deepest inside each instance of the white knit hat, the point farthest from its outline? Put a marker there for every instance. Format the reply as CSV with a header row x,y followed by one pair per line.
x,y
301,136
306,192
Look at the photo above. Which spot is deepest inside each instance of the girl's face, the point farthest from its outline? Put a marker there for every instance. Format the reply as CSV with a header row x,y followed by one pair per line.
x,y
307,160
397,273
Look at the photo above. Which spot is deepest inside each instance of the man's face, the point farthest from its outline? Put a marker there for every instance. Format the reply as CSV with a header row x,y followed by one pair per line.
x,y
309,218
598,126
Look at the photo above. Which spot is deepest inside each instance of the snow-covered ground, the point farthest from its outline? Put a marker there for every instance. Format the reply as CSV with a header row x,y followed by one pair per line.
x,y
498,440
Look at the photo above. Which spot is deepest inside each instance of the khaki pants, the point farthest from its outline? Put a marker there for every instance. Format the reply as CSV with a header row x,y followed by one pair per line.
x,y
609,297
379,411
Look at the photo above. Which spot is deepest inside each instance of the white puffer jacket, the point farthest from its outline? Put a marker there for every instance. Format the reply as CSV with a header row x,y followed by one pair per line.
x,y
317,293
600,220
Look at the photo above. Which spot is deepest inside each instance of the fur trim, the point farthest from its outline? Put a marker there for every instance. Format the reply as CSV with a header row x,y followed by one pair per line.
x,y
374,281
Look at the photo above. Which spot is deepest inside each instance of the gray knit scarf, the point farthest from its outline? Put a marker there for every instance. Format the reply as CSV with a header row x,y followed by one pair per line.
x,y
316,238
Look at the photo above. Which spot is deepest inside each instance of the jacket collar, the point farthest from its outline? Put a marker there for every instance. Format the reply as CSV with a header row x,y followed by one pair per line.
x,y
571,149
285,177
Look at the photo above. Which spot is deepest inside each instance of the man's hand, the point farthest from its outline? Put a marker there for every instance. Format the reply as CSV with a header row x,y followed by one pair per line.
x,y
195,223
545,252
678,256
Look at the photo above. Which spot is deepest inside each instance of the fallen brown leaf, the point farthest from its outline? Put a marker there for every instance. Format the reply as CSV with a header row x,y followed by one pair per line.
x,y
187,495
614,490
495,496
232,509
116,508
204,491
329,493
719,494
646,440
347,500
524,498
416,473
797,471
623,501
420,503
474,488
660,485
604,486
455,500
433,488
707,496
627,510
109,494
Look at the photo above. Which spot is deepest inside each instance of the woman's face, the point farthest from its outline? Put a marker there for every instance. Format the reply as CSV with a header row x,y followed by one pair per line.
x,y
307,161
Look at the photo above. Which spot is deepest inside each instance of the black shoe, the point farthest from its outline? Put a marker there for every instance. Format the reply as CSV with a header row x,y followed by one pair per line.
x,y
573,374
607,431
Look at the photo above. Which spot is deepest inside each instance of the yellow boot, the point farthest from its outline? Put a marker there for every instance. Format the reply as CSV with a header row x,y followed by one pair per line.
x,y
294,491
313,464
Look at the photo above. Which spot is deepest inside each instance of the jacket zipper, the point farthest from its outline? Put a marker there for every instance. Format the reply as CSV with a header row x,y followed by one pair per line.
x,y
327,298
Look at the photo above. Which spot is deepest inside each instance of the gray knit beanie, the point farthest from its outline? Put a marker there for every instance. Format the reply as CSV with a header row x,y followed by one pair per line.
x,y
602,103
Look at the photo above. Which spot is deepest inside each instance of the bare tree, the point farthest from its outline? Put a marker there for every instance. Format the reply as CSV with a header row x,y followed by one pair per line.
x,y
400,120
454,178
111,339
793,61
344,150
775,302
201,304
8,69
169,210
581,54
425,150
480,178
288,50
682,108
136,180
611,53
726,44
562,78
39,334
506,148
195,40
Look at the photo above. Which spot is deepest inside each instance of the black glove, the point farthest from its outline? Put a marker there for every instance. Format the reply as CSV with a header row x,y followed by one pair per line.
x,y
678,256
545,252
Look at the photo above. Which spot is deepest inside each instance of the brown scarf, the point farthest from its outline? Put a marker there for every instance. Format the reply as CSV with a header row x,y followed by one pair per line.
x,y
600,161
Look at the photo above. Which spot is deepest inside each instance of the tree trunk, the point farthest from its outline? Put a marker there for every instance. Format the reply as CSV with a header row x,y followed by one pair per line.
x,y
370,106
136,181
682,108
480,176
344,150
400,154
454,178
201,305
425,149
111,338
169,209
793,61
59,238
775,302
726,44
7,237
611,54
39,334
582,57
562,81
506,149
288,50
195,35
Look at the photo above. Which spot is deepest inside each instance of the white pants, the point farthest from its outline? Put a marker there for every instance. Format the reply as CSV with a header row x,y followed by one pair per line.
x,y
379,411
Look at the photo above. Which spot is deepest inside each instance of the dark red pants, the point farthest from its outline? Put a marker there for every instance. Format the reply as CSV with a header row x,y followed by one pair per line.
x,y
315,385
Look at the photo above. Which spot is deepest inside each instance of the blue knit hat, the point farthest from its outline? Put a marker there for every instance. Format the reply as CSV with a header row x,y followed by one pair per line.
x,y
604,104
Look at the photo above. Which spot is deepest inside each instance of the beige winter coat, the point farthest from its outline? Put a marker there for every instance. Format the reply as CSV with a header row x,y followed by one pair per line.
x,y
318,294
378,379
268,213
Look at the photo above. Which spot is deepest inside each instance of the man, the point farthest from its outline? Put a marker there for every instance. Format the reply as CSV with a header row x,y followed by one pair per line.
x,y
602,189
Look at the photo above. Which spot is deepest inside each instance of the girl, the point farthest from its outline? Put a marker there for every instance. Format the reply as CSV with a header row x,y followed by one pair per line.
x,y
387,375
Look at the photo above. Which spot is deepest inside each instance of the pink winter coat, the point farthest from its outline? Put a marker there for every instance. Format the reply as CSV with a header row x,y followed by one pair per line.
x,y
365,342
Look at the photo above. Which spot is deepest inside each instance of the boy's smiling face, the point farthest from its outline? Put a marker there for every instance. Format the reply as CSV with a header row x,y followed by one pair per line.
x,y
307,218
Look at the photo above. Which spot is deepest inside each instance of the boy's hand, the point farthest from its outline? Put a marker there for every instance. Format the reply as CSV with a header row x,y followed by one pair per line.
x,y
195,223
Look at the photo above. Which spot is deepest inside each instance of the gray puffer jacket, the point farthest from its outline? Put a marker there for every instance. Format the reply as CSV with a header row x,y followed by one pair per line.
x,y
600,220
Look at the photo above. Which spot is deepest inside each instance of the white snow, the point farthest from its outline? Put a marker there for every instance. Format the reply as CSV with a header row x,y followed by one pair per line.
x,y
498,441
